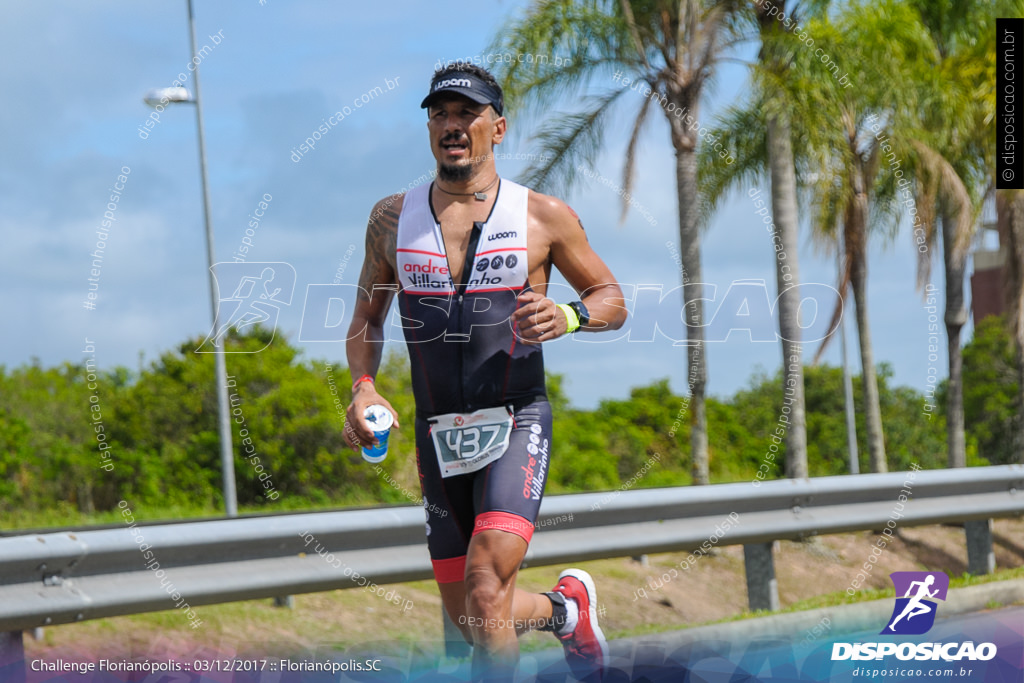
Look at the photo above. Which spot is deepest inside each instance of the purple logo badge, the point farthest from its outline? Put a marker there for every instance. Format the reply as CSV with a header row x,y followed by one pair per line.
x,y
914,612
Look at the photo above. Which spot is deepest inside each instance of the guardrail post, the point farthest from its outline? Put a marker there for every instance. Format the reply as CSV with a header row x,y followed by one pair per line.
x,y
762,587
12,657
980,558
455,646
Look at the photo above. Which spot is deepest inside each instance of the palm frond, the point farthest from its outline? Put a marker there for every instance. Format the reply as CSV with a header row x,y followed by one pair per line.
x,y
634,31
742,132
567,143
629,167
954,193
564,45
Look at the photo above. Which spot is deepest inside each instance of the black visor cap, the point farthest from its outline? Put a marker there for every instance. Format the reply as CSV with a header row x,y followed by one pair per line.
x,y
467,85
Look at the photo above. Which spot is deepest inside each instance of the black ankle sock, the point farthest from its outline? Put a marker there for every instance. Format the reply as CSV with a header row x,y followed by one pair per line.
x,y
558,612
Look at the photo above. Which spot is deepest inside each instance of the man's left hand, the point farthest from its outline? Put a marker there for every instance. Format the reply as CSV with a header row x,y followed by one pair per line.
x,y
538,318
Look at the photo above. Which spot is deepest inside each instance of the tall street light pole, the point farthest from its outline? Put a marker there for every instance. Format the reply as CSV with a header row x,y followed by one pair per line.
x,y
227,459
227,462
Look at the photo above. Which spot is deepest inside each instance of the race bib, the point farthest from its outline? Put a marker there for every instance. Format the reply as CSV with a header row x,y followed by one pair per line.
x,y
467,443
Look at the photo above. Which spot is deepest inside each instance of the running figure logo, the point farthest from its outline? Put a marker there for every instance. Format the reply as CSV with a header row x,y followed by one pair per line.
x,y
258,290
914,613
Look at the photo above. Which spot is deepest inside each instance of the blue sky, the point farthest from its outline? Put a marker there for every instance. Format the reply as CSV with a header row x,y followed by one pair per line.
x,y
73,83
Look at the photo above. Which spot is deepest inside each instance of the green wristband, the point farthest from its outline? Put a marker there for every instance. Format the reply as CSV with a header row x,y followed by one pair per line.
x,y
572,320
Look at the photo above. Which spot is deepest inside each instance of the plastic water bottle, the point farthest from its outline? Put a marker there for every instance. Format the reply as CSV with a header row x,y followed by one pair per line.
x,y
380,420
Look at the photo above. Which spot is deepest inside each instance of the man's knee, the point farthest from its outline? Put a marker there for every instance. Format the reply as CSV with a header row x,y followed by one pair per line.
x,y
483,585
486,592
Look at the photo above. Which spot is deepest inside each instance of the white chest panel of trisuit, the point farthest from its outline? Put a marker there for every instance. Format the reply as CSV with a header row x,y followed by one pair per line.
x,y
500,262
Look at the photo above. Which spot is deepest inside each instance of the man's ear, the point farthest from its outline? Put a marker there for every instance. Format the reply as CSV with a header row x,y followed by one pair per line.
x,y
500,128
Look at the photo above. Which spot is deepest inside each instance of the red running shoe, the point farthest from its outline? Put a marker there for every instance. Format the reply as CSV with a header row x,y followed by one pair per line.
x,y
586,650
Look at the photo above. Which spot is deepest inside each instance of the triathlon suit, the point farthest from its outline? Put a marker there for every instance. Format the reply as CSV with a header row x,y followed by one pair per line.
x,y
465,357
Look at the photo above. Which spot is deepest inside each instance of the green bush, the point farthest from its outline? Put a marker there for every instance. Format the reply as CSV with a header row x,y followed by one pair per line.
x,y
161,424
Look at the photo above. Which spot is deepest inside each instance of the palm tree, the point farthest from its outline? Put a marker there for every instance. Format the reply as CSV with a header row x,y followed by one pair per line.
x,y
864,152
648,53
1012,205
838,162
1010,212
951,158
774,59
778,42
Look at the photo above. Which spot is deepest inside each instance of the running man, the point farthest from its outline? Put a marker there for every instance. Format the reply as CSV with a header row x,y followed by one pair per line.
x,y
252,305
915,606
470,257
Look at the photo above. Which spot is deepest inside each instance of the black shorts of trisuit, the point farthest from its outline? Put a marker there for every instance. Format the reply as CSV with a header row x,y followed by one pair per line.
x,y
505,495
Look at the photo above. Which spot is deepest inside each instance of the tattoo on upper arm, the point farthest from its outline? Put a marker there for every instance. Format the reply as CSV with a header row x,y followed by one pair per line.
x,y
579,221
381,238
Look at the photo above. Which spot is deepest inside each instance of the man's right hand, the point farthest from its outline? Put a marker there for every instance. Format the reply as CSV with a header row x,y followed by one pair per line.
x,y
357,431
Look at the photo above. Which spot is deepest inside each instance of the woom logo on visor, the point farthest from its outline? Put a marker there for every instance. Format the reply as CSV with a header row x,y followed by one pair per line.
x,y
463,82
468,85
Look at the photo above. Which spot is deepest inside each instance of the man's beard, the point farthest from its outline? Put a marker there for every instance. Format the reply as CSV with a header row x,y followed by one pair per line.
x,y
455,173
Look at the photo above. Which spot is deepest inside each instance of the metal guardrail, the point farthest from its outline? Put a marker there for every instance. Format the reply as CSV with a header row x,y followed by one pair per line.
x,y
57,578
41,531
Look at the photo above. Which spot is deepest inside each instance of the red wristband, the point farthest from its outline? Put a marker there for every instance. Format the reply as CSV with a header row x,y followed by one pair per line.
x,y
364,378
